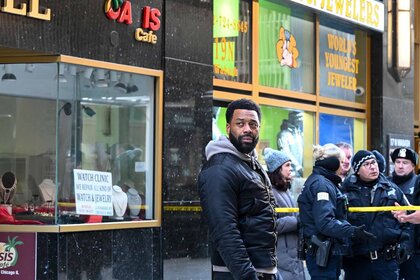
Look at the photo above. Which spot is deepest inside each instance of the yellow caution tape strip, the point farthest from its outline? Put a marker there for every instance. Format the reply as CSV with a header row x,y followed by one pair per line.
x,y
287,210
183,208
383,208
292,210
360,209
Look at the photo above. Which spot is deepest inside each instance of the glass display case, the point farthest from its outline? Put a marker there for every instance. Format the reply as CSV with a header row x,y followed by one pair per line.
x,y
79,144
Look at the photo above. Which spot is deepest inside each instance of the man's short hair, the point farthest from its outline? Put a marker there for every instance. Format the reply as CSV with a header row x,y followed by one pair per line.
x,y
245,104
344,145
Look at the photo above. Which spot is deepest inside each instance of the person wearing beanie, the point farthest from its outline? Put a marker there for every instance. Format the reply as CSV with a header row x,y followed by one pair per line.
x,y
322,211
380,256
404,176
280,168
381,161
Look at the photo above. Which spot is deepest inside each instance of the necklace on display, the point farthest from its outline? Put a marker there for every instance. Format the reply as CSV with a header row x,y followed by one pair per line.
x,y
119,201
134,202
8,191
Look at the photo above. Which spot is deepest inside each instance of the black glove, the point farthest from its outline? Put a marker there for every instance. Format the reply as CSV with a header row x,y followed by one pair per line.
x,y
360,234
402,254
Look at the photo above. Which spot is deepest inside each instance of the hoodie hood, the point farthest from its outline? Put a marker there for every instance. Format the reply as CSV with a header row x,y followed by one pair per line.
x,y
223,145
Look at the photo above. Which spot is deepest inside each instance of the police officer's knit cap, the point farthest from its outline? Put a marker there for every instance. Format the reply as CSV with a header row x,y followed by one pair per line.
x,y
359,158
381,161
274,159
405,152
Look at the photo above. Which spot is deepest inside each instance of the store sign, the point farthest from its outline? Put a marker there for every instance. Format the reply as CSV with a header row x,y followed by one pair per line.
x,y
286,48
17,255
31,10
93,192
228,28
340,61
121,12
369,13
396,141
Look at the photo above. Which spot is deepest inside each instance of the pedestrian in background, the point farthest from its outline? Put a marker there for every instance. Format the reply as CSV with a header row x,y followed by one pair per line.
x,y
345,164
374,258
237,200
280,169
381,161
322,210
404,176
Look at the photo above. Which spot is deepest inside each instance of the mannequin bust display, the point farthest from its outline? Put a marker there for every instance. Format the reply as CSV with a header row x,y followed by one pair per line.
x,y
47,189
119,202
8,184
134,202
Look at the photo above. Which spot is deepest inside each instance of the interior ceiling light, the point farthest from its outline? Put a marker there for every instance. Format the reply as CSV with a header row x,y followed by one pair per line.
x,y
89,111
8,75
88,73
113,76
73,70
66,108
100,78
29,68
131,87
61,77
121,86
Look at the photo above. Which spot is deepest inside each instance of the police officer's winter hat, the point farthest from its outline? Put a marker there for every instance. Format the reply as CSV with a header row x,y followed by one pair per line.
x,y
359,158
275,159
381,161
405,152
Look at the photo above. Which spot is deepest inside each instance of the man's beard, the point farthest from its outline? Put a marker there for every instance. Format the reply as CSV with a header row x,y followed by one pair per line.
x,y
245,148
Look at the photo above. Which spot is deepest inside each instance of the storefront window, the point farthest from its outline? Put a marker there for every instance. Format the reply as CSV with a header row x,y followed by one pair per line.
x,y
232,40
291,131
286,48
336,129
80,142
343,58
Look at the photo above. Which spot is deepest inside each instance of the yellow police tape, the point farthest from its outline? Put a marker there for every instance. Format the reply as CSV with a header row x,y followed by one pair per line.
x,y
291,210
361,209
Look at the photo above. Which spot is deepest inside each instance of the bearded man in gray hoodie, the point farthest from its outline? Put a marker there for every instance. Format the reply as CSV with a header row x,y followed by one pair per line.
x,y
237,200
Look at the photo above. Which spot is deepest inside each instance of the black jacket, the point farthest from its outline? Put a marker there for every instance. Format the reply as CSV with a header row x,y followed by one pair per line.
x,y
322,210
416,233
238,205
405,183
383,225
409,186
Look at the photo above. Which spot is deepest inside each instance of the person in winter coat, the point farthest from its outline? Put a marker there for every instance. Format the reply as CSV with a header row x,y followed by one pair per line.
x,y
404,176
376,258
280,169
237,200
323,210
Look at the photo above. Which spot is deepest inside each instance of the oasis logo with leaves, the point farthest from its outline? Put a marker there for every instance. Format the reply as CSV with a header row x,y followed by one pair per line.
x,y
9,253
121,12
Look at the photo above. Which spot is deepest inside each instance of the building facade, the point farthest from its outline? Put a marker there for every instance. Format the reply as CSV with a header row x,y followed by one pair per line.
x,y
107,106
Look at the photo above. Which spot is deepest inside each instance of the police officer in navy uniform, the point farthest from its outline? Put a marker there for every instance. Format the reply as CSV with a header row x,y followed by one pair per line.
x,y
322,208
375,258
404,176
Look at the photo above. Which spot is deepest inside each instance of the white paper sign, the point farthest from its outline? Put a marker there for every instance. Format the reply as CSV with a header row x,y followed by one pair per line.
x,y
93,191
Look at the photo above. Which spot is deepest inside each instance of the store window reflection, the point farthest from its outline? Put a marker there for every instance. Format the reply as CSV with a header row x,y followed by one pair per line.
x,y
286,48
340,129
79,142
291,131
